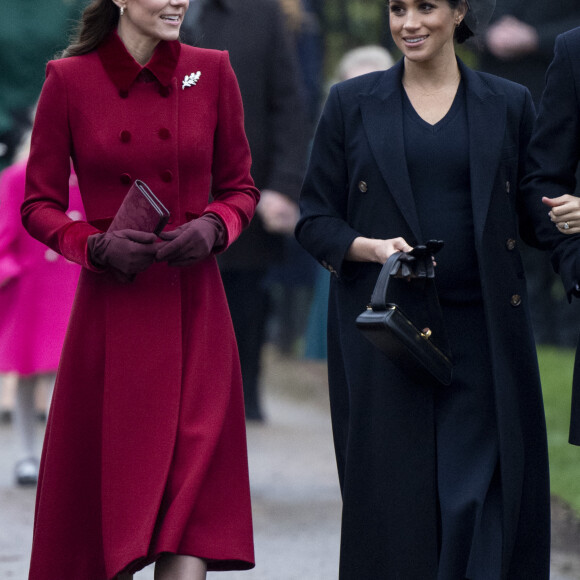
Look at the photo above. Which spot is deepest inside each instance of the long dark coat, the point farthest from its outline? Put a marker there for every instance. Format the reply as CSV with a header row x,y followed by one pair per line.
x,y
357,184
554,154
145,448
263,57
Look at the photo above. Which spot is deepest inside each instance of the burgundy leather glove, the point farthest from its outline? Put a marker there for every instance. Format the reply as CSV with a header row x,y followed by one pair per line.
x,y
127,251
192,241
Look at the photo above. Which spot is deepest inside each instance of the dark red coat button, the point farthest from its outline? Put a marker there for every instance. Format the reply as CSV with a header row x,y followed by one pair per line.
x,y
125,178
125,136
123,94
167,176
164,91
164,133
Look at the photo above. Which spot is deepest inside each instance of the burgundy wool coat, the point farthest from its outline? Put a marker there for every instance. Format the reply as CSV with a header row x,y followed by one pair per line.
x,y
145,448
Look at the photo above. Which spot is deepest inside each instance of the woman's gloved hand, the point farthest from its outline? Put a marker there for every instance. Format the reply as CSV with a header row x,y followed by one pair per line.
x,y
128,251
192,241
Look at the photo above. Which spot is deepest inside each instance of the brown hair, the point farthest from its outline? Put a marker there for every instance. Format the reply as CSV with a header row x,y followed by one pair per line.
x,y
99,19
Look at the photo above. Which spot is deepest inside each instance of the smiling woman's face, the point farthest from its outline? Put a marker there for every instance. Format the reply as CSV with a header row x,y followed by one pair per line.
x,y
423,29
146,22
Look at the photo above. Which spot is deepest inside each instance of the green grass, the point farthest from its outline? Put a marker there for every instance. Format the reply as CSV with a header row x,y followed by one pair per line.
x,y
556,365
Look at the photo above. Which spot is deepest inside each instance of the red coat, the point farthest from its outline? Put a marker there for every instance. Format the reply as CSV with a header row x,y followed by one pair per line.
x,y
145,449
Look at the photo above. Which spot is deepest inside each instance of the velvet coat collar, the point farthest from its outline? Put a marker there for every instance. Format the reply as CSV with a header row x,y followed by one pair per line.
x,y
123,69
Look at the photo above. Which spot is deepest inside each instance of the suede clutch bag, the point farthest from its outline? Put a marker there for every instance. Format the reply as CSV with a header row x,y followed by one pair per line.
x,y
141,210
420,350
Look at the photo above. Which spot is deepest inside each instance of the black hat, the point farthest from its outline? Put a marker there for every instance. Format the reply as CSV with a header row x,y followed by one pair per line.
x,y
478,14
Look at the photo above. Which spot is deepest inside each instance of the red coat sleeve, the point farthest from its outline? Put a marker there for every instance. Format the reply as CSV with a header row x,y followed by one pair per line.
x,y
47,177
234,195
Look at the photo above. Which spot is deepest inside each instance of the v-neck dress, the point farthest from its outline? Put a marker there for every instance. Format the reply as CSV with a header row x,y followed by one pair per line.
x,y
467,448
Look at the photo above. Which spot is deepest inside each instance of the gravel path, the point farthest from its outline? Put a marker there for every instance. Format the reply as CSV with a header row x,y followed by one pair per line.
x,y
296,499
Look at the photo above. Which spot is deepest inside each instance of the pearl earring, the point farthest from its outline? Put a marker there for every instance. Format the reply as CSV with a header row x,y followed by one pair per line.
x,y
122,10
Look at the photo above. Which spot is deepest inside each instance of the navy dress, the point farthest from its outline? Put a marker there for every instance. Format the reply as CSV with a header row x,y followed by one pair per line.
x,y
467,445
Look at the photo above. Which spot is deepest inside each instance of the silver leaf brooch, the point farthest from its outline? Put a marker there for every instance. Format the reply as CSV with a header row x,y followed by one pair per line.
x,y
191,80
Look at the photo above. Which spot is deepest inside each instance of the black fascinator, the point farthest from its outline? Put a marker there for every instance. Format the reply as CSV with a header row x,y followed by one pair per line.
x,y
478,14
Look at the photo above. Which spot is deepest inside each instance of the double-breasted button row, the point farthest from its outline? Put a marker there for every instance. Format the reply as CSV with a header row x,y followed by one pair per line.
x,y
516,300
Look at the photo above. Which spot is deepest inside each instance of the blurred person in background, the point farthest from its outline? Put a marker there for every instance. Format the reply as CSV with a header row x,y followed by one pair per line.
x,y
355,62
362,60
145,457
438,482
303,21
519,45
256,35
290,281
31,33
37,288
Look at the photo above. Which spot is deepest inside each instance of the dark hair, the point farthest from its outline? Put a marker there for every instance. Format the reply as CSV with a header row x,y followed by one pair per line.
x,y
462,32
99,19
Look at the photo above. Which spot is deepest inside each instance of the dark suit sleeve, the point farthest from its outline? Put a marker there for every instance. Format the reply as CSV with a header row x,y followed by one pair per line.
x,y
553,158
322,228
287,111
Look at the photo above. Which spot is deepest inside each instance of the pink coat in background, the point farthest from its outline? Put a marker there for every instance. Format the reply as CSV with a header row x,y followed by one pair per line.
x,y
37,285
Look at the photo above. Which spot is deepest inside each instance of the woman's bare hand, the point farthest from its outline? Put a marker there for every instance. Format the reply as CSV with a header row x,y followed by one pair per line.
x,y
564,212
373,250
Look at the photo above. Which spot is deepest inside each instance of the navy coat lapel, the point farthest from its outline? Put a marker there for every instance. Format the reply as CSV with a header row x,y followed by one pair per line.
x,y
381,111
486,113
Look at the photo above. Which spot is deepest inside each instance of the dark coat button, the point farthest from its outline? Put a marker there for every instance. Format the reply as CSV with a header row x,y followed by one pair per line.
x,y
123,93
164,91
510,244
164,133
125,136
166,176
362,186
516,300
125,178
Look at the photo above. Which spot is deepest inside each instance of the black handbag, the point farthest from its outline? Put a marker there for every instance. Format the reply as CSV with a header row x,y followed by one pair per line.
x,y
421,351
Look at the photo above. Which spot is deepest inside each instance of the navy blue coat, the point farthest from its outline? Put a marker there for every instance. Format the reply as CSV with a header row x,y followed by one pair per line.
x,y
357,184
554,154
